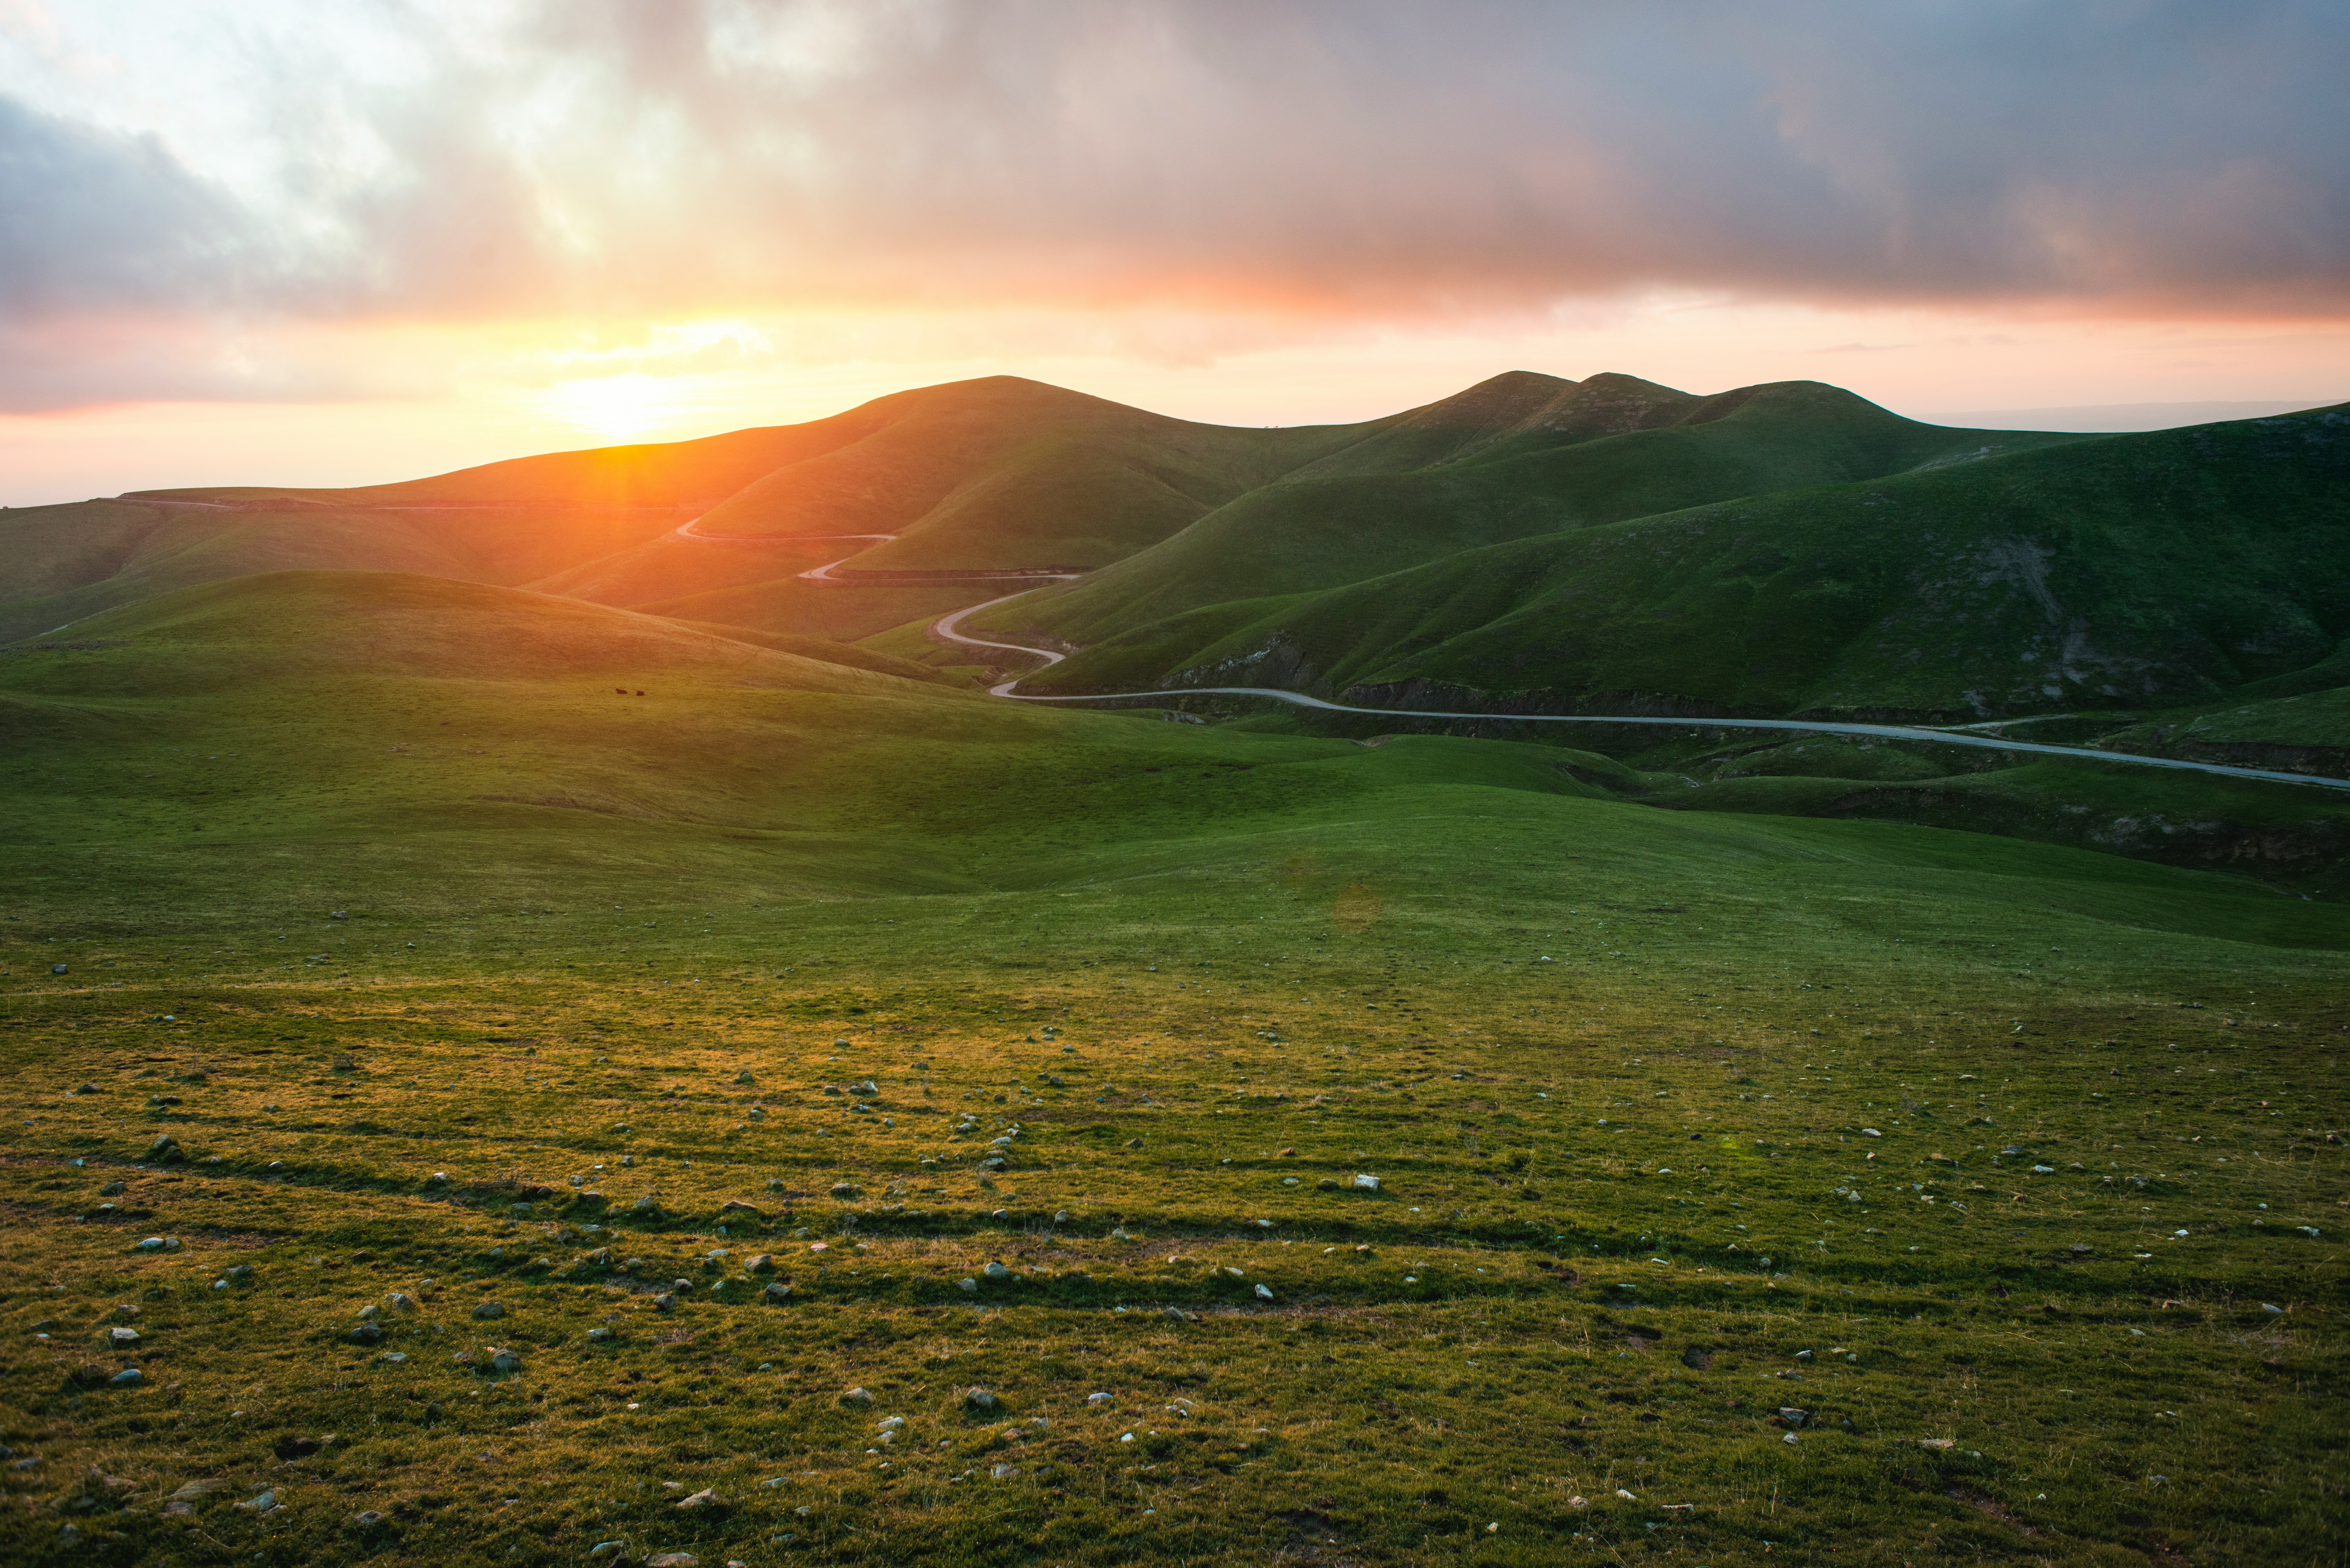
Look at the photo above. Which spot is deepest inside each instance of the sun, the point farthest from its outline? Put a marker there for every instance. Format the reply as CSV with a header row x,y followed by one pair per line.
x,y
620,407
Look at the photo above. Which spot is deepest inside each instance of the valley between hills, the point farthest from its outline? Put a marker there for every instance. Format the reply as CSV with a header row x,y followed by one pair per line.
x,y
1585,973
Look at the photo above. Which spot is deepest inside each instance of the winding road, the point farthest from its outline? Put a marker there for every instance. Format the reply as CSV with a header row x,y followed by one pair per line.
x,y
948,629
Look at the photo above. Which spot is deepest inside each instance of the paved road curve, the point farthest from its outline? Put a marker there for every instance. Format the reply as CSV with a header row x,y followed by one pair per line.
x,y
948,629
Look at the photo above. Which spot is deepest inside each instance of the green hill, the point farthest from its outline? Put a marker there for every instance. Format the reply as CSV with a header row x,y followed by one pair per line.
x,y
2105,573
1010,472
1598,451
978,474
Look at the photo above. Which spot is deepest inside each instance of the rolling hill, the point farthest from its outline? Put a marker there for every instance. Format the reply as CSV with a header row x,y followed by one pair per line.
x,y
2156,568
1522,457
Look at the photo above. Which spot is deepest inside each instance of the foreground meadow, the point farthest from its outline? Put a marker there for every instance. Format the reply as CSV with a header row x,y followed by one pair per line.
x,y
925,1132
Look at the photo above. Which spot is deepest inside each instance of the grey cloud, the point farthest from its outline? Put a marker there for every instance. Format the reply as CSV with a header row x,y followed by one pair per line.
x,y
89,218
1344,159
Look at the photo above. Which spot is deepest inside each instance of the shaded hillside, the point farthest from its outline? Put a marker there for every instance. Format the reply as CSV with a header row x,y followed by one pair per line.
x,y
2103,572
1538,467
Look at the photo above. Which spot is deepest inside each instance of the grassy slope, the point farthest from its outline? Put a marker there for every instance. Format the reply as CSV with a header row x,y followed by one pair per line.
x,y
1320,533
61,564
848,613
993,472
1006,472
2110,572
1270,960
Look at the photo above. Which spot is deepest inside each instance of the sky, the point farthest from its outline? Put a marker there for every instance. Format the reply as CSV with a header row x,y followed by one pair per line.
x,y
348,241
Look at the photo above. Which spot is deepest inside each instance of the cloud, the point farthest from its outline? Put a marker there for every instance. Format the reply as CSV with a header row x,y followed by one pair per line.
x,y
1313,162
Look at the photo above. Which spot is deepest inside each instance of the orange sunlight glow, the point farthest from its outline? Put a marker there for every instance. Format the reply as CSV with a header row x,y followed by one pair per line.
x,y
616,407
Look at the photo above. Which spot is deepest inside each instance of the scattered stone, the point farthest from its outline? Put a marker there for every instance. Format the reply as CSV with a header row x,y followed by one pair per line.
x,y
396,1358
197,1491
1327,1184
164,1150
846,1190
1938,1442
672,1560
367,1334
1177,1314
967,1285
1366,1183
488,1310
736,1206
295,1447
600,1337
715,1258
665,1301
1263,1294
262,1504
1134,1143
111,1189
995,1271
344,1062
57,968
122,1338
706,1498
981,1400
745,1076
369,1313
777,1291
855,1396
367,1519
760,1263
1793,1416
505,1361
128,1377
158,1244
401,1301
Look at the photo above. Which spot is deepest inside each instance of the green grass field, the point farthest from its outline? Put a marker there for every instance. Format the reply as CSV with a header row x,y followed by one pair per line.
x,y
2002,1176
